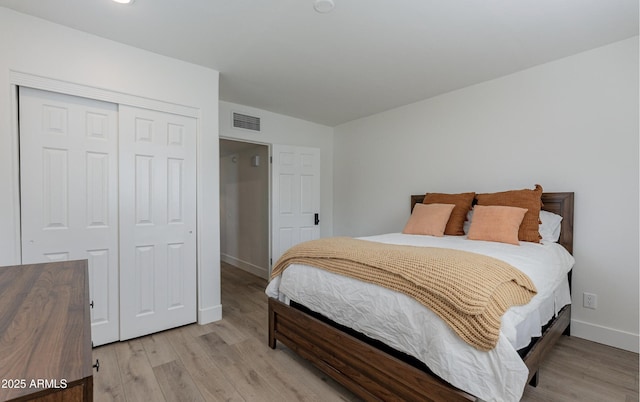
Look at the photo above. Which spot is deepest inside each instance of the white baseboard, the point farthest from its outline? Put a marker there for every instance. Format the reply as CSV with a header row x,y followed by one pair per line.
x,y
210,314
607,336
245,266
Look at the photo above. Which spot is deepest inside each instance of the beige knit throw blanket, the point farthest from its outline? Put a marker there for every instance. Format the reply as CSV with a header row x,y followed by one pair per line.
x,y
469,291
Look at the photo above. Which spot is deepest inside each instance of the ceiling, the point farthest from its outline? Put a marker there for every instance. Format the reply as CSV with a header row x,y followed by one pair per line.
x,y
364,57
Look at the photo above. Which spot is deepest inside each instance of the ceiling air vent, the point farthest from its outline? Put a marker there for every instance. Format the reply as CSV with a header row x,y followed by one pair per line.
x,y
246,122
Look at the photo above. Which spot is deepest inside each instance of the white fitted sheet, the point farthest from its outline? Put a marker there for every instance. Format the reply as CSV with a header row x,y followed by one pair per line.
x,y
406,325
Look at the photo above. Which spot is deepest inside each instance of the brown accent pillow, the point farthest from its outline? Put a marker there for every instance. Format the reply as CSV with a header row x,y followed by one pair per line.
x,y
496,223
462,204
428,219
529,199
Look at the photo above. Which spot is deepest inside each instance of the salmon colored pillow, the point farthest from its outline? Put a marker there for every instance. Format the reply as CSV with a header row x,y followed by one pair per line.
x,y
462,203
529,199
496,223
428,219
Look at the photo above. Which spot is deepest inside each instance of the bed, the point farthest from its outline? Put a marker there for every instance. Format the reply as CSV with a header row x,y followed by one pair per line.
x,y
375,370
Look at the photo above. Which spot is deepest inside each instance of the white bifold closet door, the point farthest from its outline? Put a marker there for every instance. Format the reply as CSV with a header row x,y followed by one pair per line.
x,y
115,185
69,193
157,221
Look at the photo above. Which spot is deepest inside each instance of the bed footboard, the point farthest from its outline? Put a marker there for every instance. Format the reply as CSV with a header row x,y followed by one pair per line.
x,y
363,369
373,374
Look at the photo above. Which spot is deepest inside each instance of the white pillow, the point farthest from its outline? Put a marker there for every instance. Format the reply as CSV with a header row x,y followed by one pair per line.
x,y
467,222
550,226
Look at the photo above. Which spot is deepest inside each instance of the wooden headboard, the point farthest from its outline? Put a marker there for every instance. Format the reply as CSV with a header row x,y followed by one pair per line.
x,y
558,203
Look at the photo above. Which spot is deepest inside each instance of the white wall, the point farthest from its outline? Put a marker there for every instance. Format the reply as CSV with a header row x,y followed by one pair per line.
x,y
285,130
229,205
52,55
570,125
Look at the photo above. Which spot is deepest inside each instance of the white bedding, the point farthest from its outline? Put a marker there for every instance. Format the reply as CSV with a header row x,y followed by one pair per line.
x,y
406,325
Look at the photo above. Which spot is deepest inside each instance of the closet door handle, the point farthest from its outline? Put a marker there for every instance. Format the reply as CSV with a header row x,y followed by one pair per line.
x,y
316,218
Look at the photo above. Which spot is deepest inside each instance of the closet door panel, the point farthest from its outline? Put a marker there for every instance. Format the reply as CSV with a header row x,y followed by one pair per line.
x,y
157,221
69,193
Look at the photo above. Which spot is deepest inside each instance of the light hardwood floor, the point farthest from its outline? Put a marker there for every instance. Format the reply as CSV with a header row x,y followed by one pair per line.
x,y
230,361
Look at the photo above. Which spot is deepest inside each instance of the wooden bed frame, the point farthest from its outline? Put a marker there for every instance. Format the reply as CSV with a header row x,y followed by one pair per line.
x,y
373,374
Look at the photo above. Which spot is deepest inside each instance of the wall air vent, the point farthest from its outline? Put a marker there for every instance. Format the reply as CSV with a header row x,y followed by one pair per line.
x,y
246,122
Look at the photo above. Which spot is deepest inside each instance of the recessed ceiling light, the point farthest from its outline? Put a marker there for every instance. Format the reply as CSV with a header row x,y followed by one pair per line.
x,y
323,6
124,1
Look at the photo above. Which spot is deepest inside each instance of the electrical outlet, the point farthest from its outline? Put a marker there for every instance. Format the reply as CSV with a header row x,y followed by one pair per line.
x,y
590,300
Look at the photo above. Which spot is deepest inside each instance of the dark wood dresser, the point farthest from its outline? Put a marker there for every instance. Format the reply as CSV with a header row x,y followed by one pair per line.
x,y
45,333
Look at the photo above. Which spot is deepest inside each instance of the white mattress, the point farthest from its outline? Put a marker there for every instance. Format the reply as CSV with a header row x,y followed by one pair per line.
x,y
406,325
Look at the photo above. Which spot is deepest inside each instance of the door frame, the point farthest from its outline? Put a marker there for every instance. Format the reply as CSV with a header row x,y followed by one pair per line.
x,y
269,186
205,314
269,146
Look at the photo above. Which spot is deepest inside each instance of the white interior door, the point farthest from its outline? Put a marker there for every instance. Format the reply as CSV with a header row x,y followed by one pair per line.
x,y
157,221
69,193
295,197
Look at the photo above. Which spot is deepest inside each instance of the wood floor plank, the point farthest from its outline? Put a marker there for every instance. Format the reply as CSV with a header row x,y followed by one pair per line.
x,y
176,382
158,349
253,353
253,323
249,383
230,332
197,330
107,384
208,377
138,379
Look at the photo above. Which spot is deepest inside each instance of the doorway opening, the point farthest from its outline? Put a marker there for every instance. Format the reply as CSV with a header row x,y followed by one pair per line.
x,y
244,206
